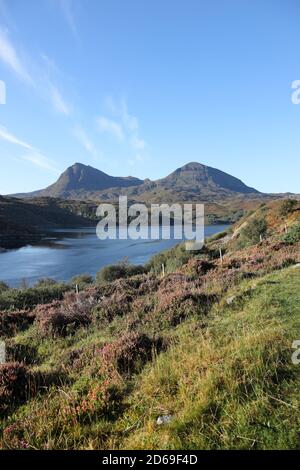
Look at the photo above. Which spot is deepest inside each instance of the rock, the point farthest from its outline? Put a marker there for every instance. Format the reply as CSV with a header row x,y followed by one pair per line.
x,y
297,265
164,419
230,300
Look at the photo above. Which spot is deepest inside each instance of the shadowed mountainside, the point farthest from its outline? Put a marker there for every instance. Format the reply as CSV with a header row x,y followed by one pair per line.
x,y
24,221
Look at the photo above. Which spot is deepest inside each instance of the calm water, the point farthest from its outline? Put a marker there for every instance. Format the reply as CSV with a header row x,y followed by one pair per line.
x,y
74,251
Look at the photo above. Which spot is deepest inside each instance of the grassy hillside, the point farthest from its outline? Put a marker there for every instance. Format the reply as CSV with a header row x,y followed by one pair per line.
x,y
208,346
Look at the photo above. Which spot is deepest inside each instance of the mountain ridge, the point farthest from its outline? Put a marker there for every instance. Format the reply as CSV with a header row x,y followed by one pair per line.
x,y
192,180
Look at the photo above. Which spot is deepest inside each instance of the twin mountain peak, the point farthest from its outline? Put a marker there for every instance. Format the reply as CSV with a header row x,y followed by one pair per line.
x,y
193,180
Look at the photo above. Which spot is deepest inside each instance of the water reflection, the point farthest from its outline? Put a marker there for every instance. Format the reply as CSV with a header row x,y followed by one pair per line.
x,y
68,252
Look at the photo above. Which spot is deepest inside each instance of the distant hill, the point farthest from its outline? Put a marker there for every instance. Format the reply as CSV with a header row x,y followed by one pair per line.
x,y
193,181
25,221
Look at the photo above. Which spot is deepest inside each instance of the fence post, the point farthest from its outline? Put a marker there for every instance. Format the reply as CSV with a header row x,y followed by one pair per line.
x,y
2,352
221,255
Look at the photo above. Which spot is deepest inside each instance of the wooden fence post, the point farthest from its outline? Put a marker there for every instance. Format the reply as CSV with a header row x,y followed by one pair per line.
x,y
2,352
221,255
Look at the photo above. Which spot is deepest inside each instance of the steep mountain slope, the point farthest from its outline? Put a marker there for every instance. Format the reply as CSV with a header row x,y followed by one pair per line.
x,y
195,182
79,180
195,176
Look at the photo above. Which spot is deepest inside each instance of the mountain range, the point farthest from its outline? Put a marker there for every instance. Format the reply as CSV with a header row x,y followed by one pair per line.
x,y
193,181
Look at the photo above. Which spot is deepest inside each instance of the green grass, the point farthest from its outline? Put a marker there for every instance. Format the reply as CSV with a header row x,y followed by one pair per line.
x,y
227,380
231,385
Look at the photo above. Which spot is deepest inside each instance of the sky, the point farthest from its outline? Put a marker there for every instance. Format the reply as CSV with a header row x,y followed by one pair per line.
x,y
137,87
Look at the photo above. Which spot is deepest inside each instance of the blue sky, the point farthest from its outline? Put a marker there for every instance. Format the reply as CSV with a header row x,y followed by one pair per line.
x,y
136,87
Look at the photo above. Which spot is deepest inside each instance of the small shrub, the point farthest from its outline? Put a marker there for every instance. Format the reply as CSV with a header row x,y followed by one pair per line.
x,y
287,206
13,321
293,235
202,266
3,287
18,352
22,299
172,259
177,299
129,352
118,271
253,231
218,236
62,318
82,281
118,304
45,282
14,383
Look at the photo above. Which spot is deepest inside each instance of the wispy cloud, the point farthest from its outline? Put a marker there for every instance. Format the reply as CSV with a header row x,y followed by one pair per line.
x,y
67,8
85,141
6,135
137,143
38,159
43,72
111,127
129,125
120,110
11,58
33,156
59,102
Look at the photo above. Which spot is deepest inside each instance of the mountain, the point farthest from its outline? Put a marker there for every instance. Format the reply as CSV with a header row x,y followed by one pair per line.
x,y
195,176
193,181
79,179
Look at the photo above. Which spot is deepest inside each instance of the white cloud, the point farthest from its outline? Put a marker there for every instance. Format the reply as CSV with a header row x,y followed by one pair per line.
x,y
41,161
82,137
6,135
10,57
120,110
49,72
43,82
58,101
34,156
137,143
129,122
111,127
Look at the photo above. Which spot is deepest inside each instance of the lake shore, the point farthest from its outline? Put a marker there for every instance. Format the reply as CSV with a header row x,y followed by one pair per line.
x,y
63,253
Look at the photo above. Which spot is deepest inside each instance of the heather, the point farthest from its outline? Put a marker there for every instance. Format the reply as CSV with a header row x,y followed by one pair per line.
x,y
92,364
